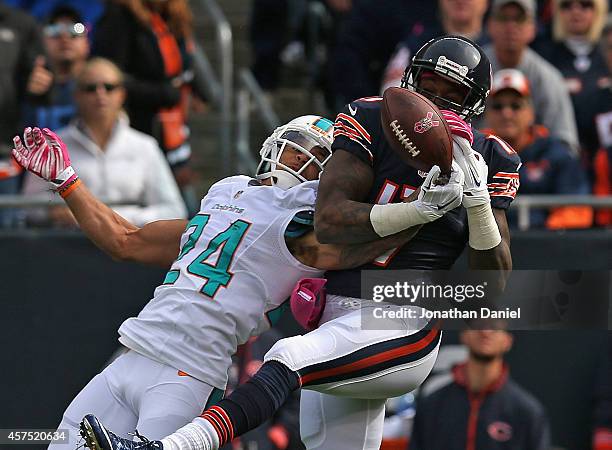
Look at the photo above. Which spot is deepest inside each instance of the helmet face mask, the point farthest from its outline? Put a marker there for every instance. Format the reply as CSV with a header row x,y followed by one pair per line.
x,y
311,136
456,59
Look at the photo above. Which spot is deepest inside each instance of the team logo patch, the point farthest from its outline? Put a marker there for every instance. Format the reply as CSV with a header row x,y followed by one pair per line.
x,y
500,431
322,125
426,123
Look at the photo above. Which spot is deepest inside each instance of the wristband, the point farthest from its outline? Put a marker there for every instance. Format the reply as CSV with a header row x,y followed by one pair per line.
x,y
395,217
67,176
483,230
70,187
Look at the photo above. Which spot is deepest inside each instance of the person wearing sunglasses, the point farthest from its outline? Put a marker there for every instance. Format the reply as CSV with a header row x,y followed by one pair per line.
x,y
549,166
577,27
105,149
512,27
51,84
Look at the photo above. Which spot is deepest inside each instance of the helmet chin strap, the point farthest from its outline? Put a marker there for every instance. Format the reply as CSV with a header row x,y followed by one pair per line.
x,y
283,179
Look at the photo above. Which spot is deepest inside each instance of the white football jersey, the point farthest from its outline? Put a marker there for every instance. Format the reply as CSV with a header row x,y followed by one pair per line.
x,y
232,273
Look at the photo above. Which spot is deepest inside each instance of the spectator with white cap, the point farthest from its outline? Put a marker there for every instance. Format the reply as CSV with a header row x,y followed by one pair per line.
x,y
549,165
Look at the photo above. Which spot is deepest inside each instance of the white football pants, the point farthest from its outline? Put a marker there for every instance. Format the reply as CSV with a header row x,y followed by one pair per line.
x,y
137,393
347,372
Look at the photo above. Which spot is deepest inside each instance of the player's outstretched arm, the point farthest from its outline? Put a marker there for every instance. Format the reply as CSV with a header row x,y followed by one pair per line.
x,y
342,218
156,243
44,154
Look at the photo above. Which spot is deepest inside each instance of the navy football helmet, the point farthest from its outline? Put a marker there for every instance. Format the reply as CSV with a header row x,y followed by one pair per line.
x,y
458,59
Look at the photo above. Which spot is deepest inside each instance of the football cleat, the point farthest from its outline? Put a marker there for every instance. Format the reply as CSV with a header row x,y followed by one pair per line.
x,y
97,437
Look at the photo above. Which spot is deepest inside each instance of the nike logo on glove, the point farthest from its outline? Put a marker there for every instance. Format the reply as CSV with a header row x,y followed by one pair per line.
x,y
445,204
353,111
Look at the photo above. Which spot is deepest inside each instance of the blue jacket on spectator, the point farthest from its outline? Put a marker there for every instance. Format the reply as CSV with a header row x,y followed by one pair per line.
x,y
551,167
502,416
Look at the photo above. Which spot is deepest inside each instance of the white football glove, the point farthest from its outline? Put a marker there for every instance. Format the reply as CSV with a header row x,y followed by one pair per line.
x,y
483,230
474,167
437,197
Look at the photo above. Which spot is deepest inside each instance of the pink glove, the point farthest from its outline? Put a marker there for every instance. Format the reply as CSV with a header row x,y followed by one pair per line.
x,y
458,126
44,154
307,302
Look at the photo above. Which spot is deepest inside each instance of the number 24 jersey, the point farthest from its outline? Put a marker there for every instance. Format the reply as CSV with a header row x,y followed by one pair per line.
x,y
232,275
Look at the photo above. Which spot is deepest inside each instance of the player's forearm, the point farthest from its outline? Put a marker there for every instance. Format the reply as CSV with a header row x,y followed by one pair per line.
x,y
105,228
156,243
355,255
498,258
347,222
341,214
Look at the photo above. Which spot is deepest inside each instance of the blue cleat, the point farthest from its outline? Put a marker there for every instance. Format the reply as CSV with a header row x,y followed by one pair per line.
x,y
97,437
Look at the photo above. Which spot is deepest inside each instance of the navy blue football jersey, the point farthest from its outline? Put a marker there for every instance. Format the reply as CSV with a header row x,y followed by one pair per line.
x,y
438,244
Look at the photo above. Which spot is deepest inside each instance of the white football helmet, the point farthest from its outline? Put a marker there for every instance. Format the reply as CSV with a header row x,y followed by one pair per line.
x,y
303,134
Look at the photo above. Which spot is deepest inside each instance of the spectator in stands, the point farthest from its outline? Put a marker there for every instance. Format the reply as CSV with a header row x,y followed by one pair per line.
x,y
296,37
273,24
574,50
549,165
512,27
464,18
597,124
117,162
367,40
482,407
20,45
51,85
151,41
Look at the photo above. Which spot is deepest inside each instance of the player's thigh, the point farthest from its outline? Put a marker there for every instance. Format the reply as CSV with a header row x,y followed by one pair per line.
x,y
102,397
342,358
171,401
329,422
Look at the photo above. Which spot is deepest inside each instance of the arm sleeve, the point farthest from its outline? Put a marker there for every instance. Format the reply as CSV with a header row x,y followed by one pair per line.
x,y
162,197
503,180
352,131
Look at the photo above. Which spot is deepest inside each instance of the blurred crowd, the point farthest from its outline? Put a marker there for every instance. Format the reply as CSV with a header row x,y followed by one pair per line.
x,y
551,98
116,79
552,63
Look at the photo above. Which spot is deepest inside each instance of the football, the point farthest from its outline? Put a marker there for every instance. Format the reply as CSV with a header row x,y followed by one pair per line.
x,y
416,130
